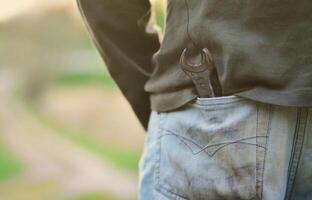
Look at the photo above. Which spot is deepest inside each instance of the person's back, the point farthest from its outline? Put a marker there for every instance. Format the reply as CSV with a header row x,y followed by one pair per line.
x,y
262,50
233,126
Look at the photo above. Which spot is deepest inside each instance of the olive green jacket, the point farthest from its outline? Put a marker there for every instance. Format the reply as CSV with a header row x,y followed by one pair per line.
x,y
262,50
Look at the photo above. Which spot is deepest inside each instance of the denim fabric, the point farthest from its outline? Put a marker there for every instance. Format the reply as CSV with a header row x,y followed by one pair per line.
x,y
228,148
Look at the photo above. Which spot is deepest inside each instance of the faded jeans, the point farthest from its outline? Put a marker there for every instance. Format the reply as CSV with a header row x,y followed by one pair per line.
x,y
228,148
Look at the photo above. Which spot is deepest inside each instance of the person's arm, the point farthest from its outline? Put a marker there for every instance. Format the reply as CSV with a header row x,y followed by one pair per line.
x,y
118,28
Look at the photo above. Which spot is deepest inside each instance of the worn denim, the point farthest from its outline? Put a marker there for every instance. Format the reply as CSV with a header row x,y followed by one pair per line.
x,y
228,148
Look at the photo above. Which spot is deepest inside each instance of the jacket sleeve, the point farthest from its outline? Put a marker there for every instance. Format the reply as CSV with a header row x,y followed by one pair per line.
x,y
118,29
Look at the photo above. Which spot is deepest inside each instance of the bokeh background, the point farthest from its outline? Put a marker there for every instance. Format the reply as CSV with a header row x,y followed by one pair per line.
x,y
66,132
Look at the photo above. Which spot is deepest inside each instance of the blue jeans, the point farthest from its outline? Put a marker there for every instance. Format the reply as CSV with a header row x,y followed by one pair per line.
x,y
228,148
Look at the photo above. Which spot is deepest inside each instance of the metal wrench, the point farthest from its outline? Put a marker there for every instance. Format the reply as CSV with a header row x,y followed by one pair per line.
x,y
204,75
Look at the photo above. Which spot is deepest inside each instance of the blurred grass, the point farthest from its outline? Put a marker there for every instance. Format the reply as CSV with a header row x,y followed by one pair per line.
x,y
9,164
83,78
159,15
20,189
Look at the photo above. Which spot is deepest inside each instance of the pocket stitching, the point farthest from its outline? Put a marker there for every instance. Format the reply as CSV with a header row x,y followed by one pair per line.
x,y
208,104
218,100
221,144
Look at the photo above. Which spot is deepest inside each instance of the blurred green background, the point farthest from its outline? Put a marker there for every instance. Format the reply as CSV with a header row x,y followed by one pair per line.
x,y
56,139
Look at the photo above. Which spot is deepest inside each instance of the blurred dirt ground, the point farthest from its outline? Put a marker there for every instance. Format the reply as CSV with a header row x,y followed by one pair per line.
x,y
53,166
100,111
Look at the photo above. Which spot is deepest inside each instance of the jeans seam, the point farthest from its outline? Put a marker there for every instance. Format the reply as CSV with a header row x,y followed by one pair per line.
x,y
266,148
290,164
261,153
257,170
296,148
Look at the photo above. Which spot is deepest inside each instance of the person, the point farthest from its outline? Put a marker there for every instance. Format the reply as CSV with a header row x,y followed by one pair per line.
x,y
226,96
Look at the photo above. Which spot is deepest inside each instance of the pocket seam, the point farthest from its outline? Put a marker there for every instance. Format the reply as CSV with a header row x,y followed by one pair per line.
x,y
261,159
218,101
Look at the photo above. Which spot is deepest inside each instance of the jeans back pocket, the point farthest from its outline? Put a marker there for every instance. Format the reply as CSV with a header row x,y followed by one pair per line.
x,y
212,150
